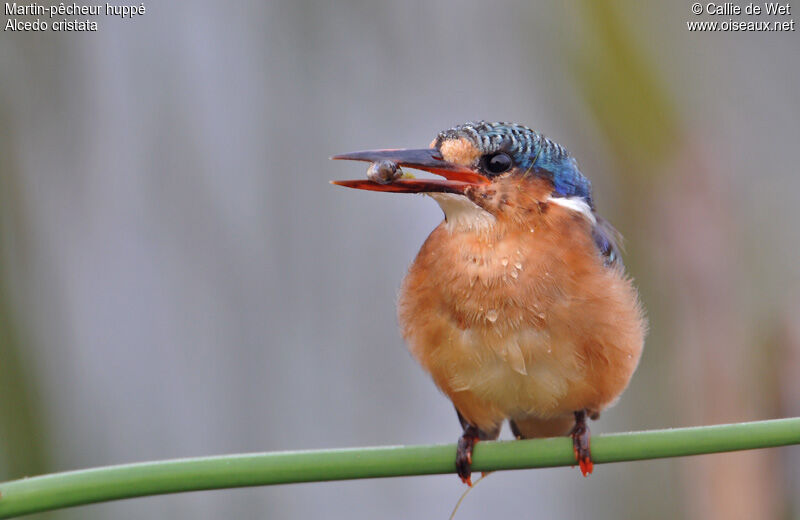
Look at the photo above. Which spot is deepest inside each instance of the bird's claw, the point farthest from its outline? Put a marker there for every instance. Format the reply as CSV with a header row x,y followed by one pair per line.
x,y
584,462
464,457
580,444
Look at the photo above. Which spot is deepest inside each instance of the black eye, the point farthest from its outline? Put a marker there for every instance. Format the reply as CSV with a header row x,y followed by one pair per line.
x,y
498,163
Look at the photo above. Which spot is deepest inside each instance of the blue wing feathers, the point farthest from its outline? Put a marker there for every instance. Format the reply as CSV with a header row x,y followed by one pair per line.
x,y
608,241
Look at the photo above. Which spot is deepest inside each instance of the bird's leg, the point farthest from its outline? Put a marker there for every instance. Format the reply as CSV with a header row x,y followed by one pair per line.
x,y
580,443
472,434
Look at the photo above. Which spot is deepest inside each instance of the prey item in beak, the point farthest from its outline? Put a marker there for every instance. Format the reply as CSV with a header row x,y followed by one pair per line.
x,y
456,178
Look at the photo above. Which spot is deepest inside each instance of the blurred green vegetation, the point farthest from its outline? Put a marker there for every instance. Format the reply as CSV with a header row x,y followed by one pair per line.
x,y
22,427
624,92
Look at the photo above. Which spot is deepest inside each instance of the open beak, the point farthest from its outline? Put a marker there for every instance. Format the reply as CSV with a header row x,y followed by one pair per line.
x,y
456,178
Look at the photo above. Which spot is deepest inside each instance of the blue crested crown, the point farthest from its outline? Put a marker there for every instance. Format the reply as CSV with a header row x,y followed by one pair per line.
x,y
532,152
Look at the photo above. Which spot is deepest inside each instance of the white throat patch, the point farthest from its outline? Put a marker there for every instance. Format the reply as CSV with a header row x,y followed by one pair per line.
x,y
462,214
575,204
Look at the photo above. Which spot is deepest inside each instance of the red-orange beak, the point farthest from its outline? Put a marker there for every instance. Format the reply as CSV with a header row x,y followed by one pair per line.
x,y
456,178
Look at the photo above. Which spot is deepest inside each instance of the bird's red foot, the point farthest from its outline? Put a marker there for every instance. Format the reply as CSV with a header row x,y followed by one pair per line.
x,y
580,443
464,455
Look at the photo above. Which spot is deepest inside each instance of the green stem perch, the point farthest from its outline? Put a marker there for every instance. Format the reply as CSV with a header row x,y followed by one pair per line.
x,y
88,486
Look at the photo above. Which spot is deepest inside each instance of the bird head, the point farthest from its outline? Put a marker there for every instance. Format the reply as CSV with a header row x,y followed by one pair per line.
x,y
480,162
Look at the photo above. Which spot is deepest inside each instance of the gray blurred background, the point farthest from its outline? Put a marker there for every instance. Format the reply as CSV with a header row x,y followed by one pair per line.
x,y
178,278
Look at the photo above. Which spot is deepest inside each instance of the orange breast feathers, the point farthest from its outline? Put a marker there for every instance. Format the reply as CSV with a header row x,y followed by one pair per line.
x,y
519,318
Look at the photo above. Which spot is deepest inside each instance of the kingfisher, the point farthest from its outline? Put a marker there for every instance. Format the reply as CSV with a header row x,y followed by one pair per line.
x,y
517,304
